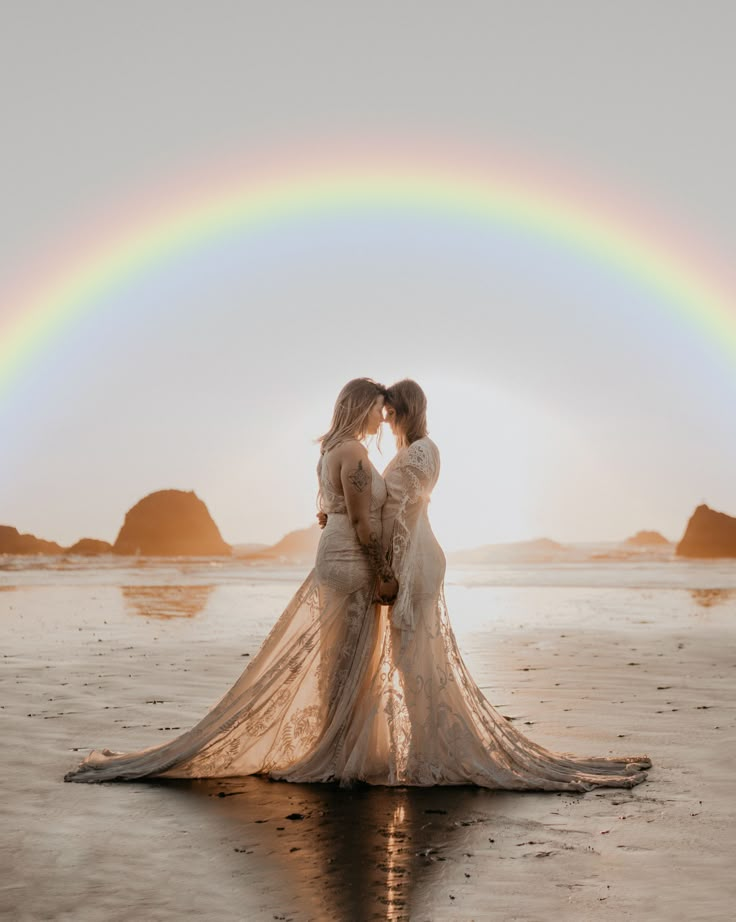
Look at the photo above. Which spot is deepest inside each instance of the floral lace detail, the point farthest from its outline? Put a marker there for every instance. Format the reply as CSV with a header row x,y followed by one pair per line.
x,y
298,734
411,476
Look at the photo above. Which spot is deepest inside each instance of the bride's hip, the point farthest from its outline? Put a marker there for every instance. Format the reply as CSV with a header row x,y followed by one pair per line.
x,y
341,562
339,530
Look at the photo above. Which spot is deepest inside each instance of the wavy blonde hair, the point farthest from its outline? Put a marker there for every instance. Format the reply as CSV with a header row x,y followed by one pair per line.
x,y
409,403
352,408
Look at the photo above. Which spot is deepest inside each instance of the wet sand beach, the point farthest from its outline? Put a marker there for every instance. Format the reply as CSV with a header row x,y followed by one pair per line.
x,y
88,661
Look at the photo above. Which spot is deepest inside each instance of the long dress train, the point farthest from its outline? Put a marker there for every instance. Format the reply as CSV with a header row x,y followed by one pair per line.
x,y
442,728
292,713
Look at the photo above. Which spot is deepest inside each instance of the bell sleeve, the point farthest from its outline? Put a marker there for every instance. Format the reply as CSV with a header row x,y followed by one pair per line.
x,y
416,473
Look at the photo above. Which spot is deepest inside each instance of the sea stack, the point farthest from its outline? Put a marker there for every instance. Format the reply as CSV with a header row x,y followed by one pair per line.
x,y
13,542
170,523
297,547
709,534
90,547
647,539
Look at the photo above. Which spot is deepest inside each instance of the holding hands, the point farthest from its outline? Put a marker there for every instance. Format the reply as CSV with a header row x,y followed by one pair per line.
x,y
386,591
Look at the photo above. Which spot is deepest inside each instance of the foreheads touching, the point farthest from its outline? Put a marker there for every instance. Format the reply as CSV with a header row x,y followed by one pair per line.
x,y
363,404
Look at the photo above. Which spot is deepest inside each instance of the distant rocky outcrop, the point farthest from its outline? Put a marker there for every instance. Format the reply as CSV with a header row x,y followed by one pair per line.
x,y
90,547
296,547
708,534
536,551
170,523
13,542
647,539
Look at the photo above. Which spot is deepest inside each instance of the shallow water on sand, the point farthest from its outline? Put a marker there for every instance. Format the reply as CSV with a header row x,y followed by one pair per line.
x,y
599,658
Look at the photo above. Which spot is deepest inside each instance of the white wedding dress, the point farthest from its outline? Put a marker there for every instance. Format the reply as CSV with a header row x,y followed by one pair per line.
x,y
345,690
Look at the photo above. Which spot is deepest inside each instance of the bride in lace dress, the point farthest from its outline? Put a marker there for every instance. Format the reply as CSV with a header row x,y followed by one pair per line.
x,y
442,728
295,711
348,689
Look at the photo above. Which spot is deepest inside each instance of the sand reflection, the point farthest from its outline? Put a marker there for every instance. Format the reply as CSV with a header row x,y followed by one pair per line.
x,y
707,598
353,854
166,601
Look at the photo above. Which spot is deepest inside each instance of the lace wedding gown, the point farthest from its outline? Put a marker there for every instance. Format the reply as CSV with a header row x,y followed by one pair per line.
x,y
292,713
345,690
442,728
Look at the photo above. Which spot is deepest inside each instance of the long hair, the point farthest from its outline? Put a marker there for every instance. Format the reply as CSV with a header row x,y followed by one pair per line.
x,y
352,408
409,403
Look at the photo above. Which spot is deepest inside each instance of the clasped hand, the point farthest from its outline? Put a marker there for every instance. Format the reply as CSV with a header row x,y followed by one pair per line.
x,y
386,591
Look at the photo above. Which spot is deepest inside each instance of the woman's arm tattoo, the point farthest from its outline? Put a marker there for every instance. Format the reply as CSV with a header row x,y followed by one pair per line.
x,y
359,478
373,550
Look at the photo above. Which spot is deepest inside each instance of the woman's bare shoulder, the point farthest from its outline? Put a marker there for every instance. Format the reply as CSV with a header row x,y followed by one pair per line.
x,y
349,450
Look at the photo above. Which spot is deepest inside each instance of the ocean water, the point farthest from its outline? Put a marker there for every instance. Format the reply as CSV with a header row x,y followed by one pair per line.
x,y
642,571
247,597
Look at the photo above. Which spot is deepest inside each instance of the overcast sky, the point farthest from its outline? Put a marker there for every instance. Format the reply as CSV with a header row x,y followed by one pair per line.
x,y
565,399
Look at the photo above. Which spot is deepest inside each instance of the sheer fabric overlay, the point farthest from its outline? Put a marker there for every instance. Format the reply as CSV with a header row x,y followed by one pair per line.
x,y
345,690
292,712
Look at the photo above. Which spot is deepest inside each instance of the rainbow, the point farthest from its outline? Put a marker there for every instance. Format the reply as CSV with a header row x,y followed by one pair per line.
x,y
241,201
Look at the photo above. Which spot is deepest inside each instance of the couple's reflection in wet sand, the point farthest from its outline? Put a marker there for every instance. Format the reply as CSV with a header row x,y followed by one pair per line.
x,y
708,598
367,853
326,852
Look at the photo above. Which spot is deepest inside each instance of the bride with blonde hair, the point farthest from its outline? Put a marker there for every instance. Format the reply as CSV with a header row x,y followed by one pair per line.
x,y
294,712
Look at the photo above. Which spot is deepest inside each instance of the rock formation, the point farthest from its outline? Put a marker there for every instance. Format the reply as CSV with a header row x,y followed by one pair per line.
x,y
296,547
13,542
708,534
90,547
647,539
538,550
170,523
